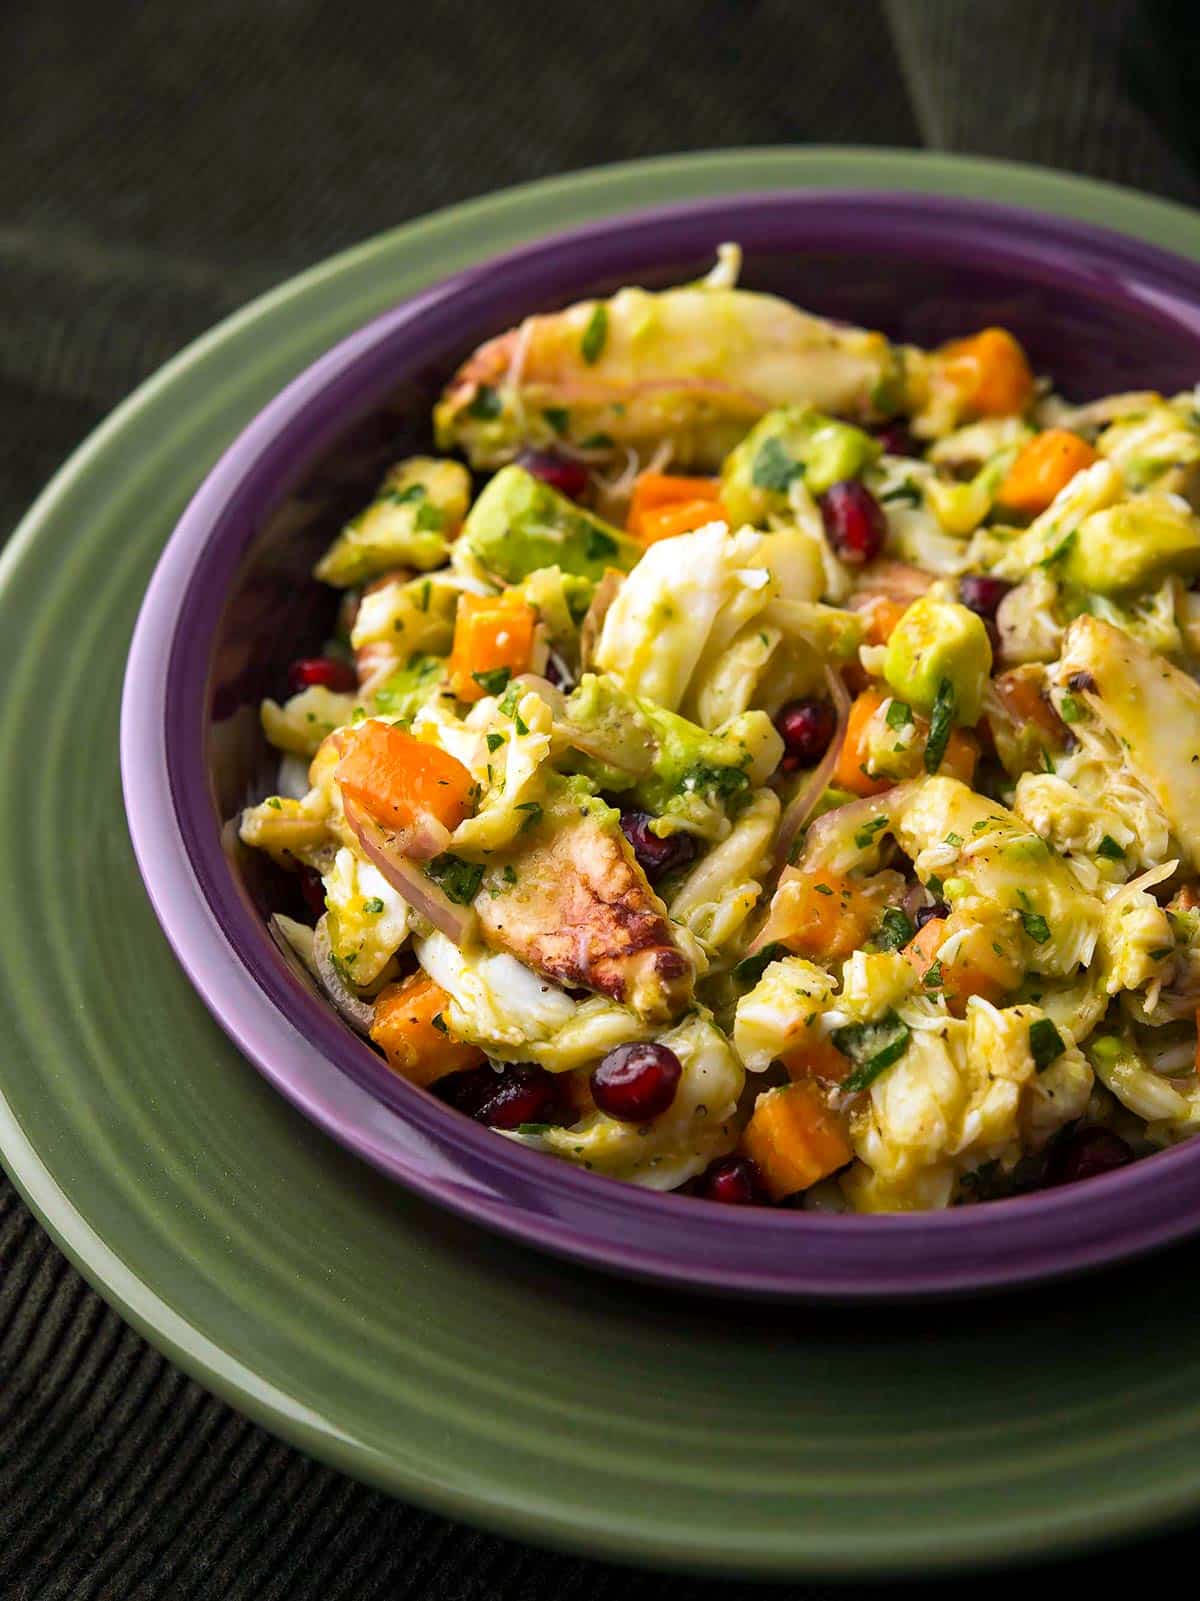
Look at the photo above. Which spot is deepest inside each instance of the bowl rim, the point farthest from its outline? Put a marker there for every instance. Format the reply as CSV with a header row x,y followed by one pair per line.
x,y
335,1079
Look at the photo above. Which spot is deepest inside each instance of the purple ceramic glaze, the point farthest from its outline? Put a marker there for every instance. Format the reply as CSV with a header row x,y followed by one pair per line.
x,y
230,603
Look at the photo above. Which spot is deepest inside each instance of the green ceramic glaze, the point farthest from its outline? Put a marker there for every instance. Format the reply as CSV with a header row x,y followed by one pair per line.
x,y
393,1340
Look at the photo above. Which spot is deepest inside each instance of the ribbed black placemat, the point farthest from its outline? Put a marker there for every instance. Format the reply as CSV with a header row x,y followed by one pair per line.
x,y
161,165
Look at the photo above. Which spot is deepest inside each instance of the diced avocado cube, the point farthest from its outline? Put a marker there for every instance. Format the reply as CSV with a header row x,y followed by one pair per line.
x,y
936,641
519,524
1131,545
793,442
418,507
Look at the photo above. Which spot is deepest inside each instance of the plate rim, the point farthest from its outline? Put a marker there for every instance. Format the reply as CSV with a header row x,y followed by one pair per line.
x,y
215,1367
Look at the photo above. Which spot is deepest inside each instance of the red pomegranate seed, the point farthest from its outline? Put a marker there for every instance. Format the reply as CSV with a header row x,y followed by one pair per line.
x,y
734,1180
521,1094
896,440
569,477
322,670
313,891
656,856
854,521
982,594
806,728
636,1082
1084,1153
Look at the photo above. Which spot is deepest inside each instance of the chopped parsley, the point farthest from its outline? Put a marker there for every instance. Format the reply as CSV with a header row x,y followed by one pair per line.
x,y
1069,709
486,404
403,497
774,467
439,1022
534,1128
941,721
430,519
1110,850
533,814
595,335
899,714
721,782
823,889
459,880
599,544
895,930
493,682
953,839
597,442
1036,926
906,494
559,419
494,741
933,976
868,831
275,803
751,968
1045,1043
374,906
872,1047
510,874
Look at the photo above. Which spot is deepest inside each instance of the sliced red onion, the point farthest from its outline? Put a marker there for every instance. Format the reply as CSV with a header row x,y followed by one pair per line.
x,y
800,807
358,1013
407,879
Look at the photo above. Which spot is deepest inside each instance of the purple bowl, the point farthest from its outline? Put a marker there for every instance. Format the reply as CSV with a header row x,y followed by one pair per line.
x,y
232,601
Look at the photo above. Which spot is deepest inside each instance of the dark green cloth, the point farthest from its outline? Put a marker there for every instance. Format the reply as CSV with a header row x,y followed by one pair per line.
x,y
164,163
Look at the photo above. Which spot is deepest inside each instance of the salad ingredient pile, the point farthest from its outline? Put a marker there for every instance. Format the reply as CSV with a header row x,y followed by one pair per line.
x,y
764,759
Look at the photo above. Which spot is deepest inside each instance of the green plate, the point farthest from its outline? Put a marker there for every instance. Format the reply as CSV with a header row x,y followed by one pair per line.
x,y
392,1340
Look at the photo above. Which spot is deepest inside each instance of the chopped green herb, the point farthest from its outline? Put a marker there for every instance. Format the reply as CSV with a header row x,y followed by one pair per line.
x,y
599,544
595,335
486,404
493,681
899,714
533,814
403,497
374,906
460,880
868,832
534,1128
896,929
494,741
559,419
439,1022
1069,709
774,467
941,721
1060,550
953,839
430,519
933,976
1045,1043
1161,953
934,885
510,874
872,1047
1109,849
597,442
822,889
721,782
1036,926
751,968
906,493
275,803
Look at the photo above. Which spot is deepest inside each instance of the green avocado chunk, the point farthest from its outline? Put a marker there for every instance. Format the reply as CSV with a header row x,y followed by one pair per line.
x,y
793,442
519,524
1132,544
939,641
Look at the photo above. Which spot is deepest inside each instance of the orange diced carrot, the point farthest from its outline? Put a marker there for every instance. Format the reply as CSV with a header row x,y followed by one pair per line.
x,y
820,915
1046,465
962,752
795,1139
491,633
667,522
410,1029
990,372
400,780
817,1057
655,490
882,615
850,772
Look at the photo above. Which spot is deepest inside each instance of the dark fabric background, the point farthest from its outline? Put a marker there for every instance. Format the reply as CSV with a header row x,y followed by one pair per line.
x,y
162,164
